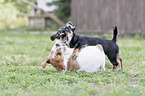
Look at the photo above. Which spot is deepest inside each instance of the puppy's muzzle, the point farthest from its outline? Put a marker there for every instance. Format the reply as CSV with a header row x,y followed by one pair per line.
x,y
53,37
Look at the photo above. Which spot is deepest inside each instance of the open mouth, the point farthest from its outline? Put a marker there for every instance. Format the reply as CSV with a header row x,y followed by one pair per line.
x,y
64,37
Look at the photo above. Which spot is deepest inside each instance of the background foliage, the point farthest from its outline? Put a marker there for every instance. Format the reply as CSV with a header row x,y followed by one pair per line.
x,y
20,6
9,13
11,10
64,9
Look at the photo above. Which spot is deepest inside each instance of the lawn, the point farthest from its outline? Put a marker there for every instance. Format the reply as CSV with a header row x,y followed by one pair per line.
x,y
21,73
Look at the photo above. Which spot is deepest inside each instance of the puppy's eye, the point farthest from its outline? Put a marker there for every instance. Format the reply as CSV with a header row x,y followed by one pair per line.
x,y
58,32
63,31
66,29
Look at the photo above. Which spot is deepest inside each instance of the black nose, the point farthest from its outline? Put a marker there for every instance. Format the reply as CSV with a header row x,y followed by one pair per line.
x,y
52,37
59,54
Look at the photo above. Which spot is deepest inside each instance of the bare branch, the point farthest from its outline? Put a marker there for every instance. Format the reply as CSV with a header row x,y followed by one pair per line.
x,y
48,14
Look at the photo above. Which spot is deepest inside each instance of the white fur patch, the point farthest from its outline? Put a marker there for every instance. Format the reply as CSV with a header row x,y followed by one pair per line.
x,y
91,59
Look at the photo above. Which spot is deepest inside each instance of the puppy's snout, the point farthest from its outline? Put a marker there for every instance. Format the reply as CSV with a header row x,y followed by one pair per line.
x,y
52,37
59,54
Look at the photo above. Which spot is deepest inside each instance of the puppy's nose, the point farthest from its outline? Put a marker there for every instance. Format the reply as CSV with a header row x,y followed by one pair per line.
x,y
52,37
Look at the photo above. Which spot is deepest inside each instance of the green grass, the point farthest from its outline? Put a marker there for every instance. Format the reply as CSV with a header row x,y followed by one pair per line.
x,y
21,73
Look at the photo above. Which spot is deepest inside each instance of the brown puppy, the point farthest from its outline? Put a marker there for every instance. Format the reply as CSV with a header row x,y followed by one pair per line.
x,y
55,58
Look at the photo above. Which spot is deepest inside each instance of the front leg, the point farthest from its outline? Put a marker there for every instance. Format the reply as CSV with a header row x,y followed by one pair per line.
x,y
75,54
77,50
43,64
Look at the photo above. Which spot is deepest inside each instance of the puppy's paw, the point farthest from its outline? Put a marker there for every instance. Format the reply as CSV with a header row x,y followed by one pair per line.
x,y
74,57
43,64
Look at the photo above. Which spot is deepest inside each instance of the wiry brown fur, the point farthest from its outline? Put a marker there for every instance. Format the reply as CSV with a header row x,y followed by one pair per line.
x,y
56,62
72,65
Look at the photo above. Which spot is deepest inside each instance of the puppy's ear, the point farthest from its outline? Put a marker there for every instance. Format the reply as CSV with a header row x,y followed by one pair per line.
x,y
70,25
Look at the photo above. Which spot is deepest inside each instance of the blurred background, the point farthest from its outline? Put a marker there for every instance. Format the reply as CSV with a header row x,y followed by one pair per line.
x,y
89,16
34,14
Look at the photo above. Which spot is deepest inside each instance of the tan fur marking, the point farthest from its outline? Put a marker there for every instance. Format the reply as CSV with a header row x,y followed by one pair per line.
x,y
72,65
112,68
75,53
57,64
119,63
57,61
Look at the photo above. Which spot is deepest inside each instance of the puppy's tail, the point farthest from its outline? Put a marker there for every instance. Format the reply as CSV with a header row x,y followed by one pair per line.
x,y
115,33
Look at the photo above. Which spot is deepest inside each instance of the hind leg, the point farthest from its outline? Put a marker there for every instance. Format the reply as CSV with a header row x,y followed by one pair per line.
x,y
119,61
116,61
103,68
120,65
114,64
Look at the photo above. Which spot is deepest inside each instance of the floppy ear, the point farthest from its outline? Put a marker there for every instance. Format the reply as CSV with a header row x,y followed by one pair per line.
x,y
70,25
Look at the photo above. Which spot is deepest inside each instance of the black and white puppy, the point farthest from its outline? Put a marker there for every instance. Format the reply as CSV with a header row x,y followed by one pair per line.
x,y
70,38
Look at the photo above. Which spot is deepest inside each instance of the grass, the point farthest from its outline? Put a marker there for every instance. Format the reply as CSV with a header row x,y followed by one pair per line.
x,y
22,75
